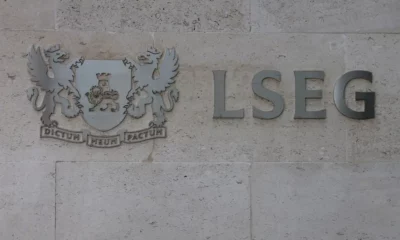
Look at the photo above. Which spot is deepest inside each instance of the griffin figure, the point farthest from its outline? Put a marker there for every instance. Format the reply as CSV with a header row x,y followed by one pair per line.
x,y
154,83
63,77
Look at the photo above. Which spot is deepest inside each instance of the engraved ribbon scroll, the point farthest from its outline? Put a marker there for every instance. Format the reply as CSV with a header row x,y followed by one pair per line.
x,y
103,141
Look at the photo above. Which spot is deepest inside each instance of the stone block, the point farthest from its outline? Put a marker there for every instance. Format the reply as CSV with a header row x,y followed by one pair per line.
x,y
152,201
326,16
154,16
193,134
27,201
325,201
25,14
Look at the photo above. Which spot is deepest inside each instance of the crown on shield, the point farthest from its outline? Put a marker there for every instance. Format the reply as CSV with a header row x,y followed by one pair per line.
x,y
103,76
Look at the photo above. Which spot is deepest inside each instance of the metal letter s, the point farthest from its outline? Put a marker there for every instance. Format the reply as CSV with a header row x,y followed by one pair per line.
x,y
274,97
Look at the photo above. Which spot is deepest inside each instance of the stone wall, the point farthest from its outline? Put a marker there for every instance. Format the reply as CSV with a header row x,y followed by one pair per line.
x,y
213,179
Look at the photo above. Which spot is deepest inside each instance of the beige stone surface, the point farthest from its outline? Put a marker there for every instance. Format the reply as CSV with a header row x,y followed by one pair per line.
x,y
27,200
143,15
153,201
325,16
325,201
27,14
210,179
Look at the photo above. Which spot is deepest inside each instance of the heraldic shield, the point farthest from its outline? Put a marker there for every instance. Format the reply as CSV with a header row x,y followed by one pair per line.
x,y
103,85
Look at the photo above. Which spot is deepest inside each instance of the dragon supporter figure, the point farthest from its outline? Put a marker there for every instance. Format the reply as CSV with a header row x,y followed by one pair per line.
x,y
154,79
62,80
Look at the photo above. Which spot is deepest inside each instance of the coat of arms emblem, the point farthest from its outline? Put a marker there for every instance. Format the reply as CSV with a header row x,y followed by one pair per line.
x,y
103,93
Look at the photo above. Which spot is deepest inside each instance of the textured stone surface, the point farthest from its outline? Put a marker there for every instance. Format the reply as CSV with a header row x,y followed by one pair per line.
x,y
325,201
143,15
331,179
27,14
210,179
325,16
27,201
152,201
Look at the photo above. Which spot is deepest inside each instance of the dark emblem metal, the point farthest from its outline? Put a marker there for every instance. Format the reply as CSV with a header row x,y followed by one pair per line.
x,y
109,88
101,96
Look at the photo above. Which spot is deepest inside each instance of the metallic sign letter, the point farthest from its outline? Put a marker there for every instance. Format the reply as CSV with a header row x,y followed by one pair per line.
x,y
368,98
302,94
272,96
219,98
